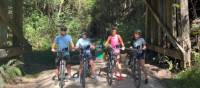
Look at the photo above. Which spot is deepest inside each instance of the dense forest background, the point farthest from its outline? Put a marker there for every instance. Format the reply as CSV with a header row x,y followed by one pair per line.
x,y
33,24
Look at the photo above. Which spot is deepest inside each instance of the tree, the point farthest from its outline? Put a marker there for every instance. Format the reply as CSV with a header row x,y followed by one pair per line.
x,y
18,22
3,26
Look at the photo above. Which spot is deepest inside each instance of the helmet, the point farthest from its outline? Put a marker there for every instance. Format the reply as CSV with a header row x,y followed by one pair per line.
x,y
84,33
138,31
63,28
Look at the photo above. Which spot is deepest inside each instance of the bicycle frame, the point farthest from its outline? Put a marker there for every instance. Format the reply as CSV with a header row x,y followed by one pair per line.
x,y
135,67
111,65
85,67
62,65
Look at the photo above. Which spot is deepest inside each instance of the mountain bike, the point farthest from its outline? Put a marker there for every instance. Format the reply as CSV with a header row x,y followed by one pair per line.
x,y
62,65
86,67
135,66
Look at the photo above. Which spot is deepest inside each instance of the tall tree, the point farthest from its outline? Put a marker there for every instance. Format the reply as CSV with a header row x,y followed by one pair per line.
x,y
18,22
3,26
185,32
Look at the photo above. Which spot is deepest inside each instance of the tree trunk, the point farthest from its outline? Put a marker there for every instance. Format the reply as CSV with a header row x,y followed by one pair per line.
x,y
3,26
185,32
18,22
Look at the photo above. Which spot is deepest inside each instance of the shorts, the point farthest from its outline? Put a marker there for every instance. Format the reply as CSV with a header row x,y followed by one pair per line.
x,y
89,55
66,58
140,55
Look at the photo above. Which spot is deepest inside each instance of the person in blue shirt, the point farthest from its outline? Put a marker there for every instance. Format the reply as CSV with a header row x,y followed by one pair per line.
x,y
63,42
84,42
139,43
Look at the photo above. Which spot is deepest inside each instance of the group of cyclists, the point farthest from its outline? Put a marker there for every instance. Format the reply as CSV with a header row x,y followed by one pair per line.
x,y
64,41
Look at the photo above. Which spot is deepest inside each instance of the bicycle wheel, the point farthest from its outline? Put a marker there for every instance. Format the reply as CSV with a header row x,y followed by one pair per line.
x,y
110,73
137,73
62,73
83,74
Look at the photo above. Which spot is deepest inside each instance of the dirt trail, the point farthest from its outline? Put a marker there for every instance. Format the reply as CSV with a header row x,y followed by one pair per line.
x,y
44,80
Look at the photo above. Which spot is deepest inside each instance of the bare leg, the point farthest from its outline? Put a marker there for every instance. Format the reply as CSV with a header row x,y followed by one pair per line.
x,y
119,66
57,71
142,63
69,70
80,68
93,68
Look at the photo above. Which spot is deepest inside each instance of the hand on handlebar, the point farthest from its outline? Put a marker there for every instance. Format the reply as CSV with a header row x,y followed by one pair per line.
x,y
123,48
53,50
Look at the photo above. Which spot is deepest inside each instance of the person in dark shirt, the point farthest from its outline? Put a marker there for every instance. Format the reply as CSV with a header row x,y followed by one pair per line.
x,y
139,43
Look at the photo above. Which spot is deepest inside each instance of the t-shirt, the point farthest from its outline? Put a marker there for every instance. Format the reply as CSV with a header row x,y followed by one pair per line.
x,y
83,43
63,42
139,43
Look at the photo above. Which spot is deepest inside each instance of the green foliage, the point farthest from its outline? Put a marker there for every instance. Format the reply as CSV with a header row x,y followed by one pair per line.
x,y
40,26
1,82
37,31
195,29
188,78
9,71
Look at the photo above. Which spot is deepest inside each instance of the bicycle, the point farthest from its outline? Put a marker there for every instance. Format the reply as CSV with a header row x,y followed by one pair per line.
x,y
135,66
86,67
62,65
111,64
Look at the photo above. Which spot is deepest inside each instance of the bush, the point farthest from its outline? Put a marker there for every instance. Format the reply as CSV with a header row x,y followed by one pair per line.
x,y
189,78
9,71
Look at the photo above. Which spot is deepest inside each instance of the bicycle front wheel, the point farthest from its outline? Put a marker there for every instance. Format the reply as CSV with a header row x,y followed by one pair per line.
x,y
83,74
110,73
136,73
62,73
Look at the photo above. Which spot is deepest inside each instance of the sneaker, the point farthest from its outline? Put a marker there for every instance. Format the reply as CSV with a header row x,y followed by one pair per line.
x,y
54,77
146,81
77,79
94,77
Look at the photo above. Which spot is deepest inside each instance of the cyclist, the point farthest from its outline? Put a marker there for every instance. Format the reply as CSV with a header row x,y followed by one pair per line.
x,y
61,42
115,40
84,41
139,42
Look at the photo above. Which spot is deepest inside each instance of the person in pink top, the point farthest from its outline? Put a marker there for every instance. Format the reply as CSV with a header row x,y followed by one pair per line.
x,y
115,40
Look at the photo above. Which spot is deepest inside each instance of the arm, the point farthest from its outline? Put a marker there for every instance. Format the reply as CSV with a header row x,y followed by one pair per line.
x,y
53,46
72,45
121,41
107,42
144,45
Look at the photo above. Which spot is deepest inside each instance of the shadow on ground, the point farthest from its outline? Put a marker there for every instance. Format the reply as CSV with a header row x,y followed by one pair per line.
x,y
38,61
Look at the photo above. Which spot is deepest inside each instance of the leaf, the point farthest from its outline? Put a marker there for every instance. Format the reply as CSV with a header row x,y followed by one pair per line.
x,y
14,62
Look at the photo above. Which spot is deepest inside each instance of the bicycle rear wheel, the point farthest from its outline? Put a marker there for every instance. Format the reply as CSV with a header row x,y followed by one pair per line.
x,y
136,73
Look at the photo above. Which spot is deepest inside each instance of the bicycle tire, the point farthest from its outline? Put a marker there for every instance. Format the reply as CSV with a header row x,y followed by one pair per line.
x,y
83,74
62,73
109,73
136,73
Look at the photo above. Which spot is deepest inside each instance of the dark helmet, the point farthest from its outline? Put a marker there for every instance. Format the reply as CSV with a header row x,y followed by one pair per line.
x,y
63,28
84,33
138,31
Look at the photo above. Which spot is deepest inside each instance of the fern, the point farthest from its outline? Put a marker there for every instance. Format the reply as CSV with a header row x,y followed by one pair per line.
x,y
14,62
10,70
